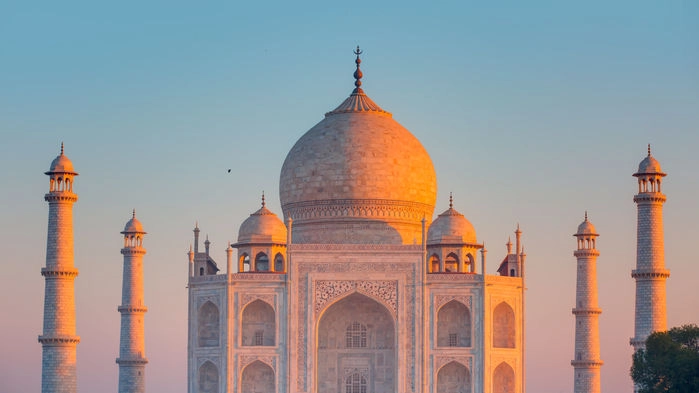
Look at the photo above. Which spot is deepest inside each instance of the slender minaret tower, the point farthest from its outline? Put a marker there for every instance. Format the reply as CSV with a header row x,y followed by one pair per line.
x,y
132,348
650,273
58,341
587,361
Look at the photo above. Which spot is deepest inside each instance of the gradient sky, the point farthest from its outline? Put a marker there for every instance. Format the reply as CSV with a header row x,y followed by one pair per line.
x,y
533,112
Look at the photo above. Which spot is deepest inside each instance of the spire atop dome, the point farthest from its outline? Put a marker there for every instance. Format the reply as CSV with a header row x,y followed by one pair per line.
x,y
451,201
358,73
649,150
62,148
133,215
358,101
263,199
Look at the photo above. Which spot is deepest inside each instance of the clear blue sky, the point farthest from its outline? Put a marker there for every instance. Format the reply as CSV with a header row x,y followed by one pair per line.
x,y
533,112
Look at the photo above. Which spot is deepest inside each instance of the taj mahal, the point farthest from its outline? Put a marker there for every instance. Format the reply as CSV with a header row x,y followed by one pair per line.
x,y
353,287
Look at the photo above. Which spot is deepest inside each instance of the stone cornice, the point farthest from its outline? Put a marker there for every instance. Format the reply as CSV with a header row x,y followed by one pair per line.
x,y
57,340
60,196
650,273
58,272
449,277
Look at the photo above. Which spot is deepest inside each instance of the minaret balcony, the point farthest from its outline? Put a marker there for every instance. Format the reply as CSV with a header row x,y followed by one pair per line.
x,y
132,361
133,251
591,252
59,273
587,363
56,340
650,273
61,196
650,197
587,311
132,309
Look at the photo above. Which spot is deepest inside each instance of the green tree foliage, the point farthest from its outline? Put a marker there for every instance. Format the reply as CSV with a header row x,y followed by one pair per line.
x,y
669,363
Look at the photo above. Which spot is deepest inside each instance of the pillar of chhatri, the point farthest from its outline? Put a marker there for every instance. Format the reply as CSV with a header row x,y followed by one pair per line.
x,y
59,341
586,362
132,348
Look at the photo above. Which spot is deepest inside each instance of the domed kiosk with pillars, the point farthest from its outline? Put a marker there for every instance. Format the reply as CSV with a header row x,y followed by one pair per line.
x,y
356,290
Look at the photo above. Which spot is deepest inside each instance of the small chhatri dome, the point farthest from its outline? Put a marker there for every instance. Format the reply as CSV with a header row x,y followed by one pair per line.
x,y
357,169
451,227
262,225
649,166
61,164
133,225
586,228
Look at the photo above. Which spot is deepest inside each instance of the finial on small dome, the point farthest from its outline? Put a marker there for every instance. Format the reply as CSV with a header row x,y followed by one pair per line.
x,y
518,230
649,150
134,214
451,201
585,215
358,73
263,199
61,148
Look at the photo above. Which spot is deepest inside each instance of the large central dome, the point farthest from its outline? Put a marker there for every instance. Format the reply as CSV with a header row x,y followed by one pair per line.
x,y
358,177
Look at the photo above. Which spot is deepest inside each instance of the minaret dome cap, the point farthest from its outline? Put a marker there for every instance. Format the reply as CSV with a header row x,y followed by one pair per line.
x,y
586,228
133,225
649,166
61,164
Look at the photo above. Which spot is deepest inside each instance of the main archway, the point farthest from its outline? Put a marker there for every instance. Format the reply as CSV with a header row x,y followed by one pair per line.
x,y
356,347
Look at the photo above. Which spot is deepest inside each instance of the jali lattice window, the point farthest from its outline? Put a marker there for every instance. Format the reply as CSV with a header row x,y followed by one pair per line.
x,y
355,383
356,336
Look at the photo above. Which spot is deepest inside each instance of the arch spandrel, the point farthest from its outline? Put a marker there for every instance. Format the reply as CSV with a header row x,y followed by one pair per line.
x,y
247,298
329,292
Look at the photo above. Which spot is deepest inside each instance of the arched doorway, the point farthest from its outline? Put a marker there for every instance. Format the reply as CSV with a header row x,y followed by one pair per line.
x,y
356,347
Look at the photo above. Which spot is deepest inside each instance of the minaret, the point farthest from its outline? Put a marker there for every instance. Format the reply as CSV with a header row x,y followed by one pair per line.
x,y
587,361
58,341
132,348
650,273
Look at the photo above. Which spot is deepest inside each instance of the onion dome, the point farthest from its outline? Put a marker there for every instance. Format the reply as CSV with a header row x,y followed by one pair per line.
x,y
451,227
586,228
133,225
357,176
61,164
649,166
262,226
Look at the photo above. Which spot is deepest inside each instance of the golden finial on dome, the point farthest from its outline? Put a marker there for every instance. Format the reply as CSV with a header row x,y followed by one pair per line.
x,y
358,73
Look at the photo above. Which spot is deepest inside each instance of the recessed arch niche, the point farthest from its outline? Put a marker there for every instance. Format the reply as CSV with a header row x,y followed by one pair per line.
x,y
341,355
